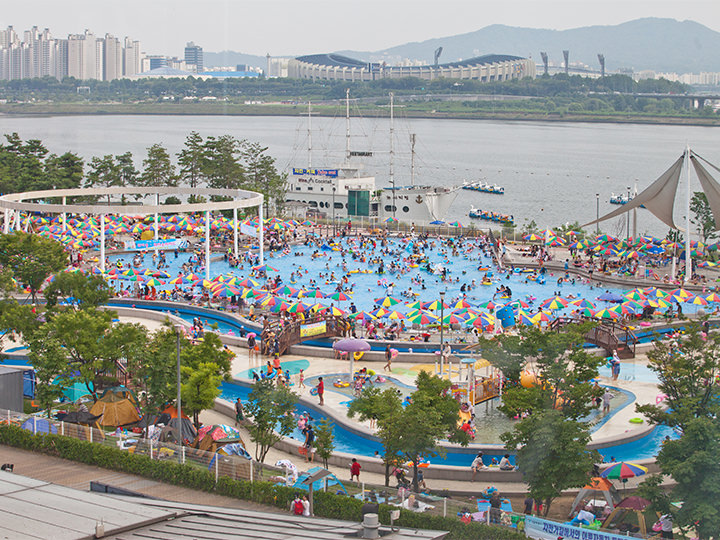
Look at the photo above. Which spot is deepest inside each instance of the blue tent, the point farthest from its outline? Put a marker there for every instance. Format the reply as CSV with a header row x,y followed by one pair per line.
x,y
329,481
39,425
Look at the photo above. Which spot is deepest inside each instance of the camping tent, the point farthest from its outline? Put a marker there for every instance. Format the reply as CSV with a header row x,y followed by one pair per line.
x,y
115,410
328,481
211,438
630,511
120,392
595,489
39,425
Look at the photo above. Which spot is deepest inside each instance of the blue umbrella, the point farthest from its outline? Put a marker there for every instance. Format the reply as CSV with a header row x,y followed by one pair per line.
x,y
611,297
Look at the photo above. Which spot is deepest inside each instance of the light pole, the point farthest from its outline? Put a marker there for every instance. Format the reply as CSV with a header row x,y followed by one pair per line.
x,y
333,214
442,325
178,330
628,214
597,213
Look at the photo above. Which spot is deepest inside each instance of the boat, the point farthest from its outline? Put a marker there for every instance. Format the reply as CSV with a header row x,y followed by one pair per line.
x,y
344,192
505,219
619,199
484,188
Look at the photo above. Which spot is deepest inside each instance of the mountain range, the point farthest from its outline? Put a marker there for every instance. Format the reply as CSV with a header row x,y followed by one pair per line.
x,y
661,45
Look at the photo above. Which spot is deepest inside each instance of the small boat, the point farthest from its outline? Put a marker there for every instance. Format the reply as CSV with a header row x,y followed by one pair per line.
x,y
505,219
484,188
619,199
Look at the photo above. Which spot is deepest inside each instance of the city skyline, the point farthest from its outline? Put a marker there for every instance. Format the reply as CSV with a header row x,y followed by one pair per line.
x,y
281,27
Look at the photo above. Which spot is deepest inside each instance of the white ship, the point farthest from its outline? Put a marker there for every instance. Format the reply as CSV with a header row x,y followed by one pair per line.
x,y
345,192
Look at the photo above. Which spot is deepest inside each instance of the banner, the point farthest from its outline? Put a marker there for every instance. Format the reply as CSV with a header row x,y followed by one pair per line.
x,y
331,173
543,529
249,230
313,329
167,243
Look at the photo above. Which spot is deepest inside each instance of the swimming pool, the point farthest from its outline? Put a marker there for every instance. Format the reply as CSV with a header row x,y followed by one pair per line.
x,y
313,267
353,443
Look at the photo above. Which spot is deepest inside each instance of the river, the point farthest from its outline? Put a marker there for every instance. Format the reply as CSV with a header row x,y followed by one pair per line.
x,y
550,171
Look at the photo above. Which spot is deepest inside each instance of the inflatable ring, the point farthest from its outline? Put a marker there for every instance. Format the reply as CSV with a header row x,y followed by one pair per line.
x,y
393,353
636,420
340,384
314,391
358,355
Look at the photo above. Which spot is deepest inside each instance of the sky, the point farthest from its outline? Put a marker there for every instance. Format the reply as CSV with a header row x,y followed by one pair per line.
x,y
284,27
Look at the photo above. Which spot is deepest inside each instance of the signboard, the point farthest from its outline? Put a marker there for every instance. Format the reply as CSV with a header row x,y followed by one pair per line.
x,y
543,529
313,329
249,230
331,173
166,243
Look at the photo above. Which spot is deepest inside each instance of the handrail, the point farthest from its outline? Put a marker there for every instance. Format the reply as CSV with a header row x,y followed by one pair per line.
x,y
289,333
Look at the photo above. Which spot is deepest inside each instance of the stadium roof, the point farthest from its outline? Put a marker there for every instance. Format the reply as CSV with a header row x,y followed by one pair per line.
x,y
337,60
165,71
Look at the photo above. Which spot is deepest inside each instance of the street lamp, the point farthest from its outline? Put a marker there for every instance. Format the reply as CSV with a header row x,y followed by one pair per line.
x,y
333,214
442,325
597,213
178,331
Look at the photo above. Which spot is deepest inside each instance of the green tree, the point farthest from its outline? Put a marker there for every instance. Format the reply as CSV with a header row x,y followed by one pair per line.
x,y
553,454
65,171
262,176
126,169
324,440
31,258
221,165
686,370
372,405
199,388
191,160
103,173
158,169
77,290
270,408
692,461
702,216
562,367
49,362
155,370
414,431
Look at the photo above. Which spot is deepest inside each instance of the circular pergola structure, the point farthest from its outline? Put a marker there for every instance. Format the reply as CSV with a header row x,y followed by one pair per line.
x,y
14,203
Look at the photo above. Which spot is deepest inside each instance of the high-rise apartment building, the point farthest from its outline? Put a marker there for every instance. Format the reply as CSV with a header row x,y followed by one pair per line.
x,y
194,56
83,56
112,58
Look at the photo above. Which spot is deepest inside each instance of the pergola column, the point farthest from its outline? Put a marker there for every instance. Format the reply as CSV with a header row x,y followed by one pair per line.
x,y
102,242
207,245
157,226
261,233
64,216
235,233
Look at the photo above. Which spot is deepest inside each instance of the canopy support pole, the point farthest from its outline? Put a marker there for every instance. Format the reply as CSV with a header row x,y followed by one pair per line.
x,y
64,216
688,255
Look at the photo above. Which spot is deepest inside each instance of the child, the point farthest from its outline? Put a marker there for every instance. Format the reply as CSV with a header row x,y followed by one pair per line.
x,y
355,470
301,382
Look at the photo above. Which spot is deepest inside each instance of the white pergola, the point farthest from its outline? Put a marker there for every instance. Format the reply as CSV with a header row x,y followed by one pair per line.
x,y
35,201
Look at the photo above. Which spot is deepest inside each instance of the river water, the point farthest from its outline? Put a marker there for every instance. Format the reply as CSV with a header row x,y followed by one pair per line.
x,y
551,171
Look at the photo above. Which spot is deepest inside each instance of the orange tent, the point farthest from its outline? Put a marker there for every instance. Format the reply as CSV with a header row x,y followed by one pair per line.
x,y
597,488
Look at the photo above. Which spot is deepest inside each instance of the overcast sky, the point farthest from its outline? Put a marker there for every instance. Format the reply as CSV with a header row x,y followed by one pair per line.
x,y
282,27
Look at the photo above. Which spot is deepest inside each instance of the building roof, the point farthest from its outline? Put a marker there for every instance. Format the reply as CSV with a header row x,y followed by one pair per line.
x,y
166,72
333,60
35,509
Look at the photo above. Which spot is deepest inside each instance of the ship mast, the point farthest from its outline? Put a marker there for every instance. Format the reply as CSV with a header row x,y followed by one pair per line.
x,y
309,135
347,126
412,159
392,150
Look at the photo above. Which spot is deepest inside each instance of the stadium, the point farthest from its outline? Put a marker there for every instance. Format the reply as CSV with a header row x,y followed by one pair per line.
x,y
335,67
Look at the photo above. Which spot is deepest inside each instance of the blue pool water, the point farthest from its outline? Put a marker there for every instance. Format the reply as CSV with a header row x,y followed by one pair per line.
x,y
352,443
327,267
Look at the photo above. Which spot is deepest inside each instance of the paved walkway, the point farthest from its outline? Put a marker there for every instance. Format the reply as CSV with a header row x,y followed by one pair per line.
x,y
78,476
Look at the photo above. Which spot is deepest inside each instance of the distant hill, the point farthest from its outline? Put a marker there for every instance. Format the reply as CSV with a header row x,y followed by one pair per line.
x,y
663,45
232,58
651,43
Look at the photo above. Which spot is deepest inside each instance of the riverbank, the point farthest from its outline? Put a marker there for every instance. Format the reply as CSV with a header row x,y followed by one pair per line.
x,y
221,108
